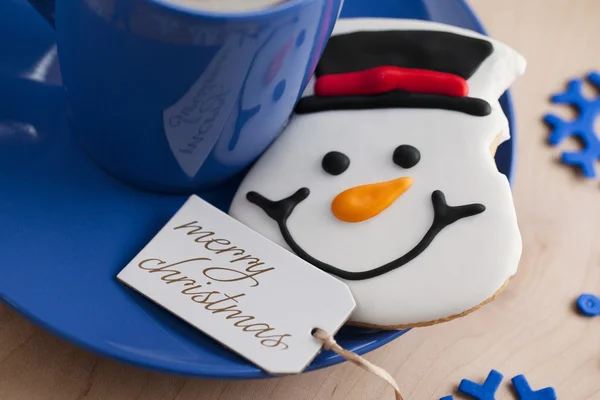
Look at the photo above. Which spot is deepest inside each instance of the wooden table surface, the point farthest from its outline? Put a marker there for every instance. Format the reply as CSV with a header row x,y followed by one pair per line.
x,y
531,328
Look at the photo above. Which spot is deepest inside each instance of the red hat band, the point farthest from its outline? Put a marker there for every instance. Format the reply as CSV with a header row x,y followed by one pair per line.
x,y
389,78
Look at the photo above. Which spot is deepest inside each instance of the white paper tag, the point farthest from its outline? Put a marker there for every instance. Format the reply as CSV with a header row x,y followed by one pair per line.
x,y
238,287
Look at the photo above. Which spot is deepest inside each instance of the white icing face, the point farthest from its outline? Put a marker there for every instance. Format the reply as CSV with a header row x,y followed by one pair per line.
x,y
413,269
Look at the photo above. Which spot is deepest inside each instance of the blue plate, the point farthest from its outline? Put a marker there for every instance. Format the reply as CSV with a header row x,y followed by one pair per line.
x,y
68,228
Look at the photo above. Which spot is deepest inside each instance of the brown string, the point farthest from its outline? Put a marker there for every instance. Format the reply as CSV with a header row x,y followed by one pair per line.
x,y
329,343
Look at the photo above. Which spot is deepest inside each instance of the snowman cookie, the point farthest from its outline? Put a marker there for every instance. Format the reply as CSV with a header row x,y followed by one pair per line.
x,y
385,176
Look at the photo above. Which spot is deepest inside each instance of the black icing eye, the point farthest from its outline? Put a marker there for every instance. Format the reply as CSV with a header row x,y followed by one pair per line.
x,y
335,163
406,156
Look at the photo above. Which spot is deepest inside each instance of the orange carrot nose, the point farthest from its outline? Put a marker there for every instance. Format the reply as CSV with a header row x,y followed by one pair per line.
x,y
363,202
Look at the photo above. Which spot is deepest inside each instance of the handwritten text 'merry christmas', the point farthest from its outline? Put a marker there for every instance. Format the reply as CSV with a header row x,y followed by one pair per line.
x,y
242,267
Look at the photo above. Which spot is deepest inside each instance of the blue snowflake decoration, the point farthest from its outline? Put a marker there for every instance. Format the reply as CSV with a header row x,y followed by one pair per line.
x,y
582,127
525,393
487,391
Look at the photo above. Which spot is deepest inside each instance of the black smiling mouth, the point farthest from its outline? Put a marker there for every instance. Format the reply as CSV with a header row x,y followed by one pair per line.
x,y
444,215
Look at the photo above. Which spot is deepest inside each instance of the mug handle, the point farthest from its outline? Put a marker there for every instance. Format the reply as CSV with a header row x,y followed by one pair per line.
x,y
45,8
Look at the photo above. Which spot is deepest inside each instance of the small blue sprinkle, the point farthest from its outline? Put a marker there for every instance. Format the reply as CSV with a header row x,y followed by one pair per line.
x,y
525,393
487,391
589,305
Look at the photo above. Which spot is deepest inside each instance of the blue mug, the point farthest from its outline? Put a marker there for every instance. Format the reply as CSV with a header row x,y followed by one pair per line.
x,y
175,99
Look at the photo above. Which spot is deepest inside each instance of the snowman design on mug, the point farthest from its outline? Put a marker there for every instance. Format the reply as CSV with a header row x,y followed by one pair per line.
x,y
385,176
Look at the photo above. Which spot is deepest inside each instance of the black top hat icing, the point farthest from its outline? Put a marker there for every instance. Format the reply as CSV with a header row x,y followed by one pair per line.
x,y
398,69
